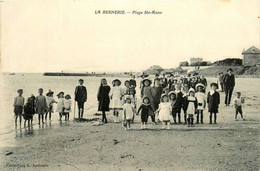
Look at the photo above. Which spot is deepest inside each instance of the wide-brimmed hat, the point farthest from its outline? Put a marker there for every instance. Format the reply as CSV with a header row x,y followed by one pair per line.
x,y
67,96
150,82
213,84
49,93
127,81
191,90
171,92
199,85
144,75
60,93
164,95
113,82
146,98
230,69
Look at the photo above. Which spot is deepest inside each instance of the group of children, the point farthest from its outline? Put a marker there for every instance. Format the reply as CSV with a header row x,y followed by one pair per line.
x,y
41,105
165,103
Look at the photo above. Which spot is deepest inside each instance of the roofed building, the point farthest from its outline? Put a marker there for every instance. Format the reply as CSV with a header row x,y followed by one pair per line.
x,y
251,56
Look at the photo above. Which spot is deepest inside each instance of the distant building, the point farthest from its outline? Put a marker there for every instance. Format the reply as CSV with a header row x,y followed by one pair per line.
x,y
195,60
251,56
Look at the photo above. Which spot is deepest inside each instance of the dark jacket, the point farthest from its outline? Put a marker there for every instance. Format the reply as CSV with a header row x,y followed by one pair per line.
x,y
80,94
213,102
145,109
179,101
229,81
103,98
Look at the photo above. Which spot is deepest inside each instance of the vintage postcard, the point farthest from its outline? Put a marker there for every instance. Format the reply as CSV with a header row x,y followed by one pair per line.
x,y
130,85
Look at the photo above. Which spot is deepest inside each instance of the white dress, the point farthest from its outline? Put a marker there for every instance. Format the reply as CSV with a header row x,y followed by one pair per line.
x,y
165,111
50,101
67,105
60,105
191,107
129,111
201,98
116,93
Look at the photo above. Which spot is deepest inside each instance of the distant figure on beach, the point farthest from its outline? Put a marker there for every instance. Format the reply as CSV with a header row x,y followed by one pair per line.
x,y
238,101
81,97
116,95
18,107
50,100
229,84
41,105
29,111
103,99
213,100
220,81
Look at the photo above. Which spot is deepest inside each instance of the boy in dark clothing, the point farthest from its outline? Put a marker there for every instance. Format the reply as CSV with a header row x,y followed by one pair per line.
x,y
29,111
229,84
80,97
144,108
179,101
158,92
213,101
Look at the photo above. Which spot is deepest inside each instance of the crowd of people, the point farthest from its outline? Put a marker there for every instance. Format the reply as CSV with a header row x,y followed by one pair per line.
x,y
161,99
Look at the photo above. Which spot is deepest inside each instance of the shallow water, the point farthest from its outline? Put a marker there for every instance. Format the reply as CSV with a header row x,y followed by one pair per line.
x,y
31,82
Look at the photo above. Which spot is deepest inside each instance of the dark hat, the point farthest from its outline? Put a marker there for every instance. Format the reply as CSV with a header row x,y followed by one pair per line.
x,y
67,96
150,82
127,81
163,95
213,84
49,93
128,97
20,90
157,75
81,80
230,69
40,89
113,82
60,93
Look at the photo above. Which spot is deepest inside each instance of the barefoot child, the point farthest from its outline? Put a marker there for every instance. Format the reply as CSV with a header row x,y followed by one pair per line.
x,y
192,107
67,107
116,95
29,111
128,113
60,104
18,106
201,97
41,105
50,100
144,108
238,101
213,101
164,111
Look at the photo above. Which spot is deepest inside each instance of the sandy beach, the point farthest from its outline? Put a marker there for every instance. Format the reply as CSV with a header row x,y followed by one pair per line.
x,y
228,145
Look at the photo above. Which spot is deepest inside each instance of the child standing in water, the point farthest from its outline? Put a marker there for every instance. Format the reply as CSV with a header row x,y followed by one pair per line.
x,y
213,101
191,107
103,99
164,111
60,104
50,100
144,108
67,107
201,97
238,101
41,105
29,110
128,113
18,106
81,97
116,94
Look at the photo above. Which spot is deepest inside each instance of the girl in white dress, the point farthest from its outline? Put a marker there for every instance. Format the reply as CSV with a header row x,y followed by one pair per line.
x,y
192,107
67,107
116,94
60,104
201,98
164,111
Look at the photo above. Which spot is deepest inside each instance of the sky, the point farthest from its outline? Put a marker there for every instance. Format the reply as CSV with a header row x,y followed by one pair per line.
x,y
48,36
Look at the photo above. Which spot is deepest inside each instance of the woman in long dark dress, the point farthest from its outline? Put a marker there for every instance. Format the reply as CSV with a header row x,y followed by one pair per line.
x,y
103,99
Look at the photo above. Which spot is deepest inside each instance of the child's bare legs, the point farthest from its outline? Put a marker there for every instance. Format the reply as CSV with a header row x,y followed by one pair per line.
x,y
164,123
198,116
168,125
15,120
60,116
128,124
68,117
116,116
42,118
192,119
